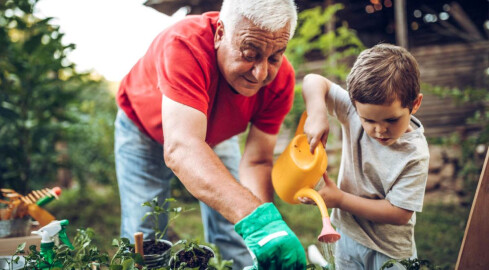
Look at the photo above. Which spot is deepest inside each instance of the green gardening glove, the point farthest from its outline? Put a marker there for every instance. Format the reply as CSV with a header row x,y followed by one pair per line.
x,y
270,240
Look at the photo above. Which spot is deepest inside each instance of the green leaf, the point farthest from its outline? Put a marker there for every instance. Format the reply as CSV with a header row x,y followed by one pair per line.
x,y
20,248
116,267
128,264
138,259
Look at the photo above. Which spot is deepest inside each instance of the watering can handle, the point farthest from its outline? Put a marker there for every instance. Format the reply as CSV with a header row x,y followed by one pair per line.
x,y
300,126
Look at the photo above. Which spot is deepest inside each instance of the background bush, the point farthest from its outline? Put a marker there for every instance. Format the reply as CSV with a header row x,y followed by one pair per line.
x,y
52,117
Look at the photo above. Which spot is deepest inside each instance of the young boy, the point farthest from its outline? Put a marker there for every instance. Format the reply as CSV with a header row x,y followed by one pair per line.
x,y
384,164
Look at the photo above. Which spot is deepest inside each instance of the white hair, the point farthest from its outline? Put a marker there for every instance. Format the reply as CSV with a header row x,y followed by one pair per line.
x,y
270,15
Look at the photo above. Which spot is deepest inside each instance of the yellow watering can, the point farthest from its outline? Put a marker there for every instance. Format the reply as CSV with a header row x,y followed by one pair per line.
x,y
297,171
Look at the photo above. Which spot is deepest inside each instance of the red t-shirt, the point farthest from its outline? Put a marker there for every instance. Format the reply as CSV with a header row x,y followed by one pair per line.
x,y
181,64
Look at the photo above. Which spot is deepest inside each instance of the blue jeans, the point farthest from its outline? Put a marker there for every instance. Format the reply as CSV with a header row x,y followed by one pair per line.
x,y
143,175
351,255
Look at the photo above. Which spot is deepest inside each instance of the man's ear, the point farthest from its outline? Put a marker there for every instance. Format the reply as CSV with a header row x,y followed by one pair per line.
x,y
417,103
219,35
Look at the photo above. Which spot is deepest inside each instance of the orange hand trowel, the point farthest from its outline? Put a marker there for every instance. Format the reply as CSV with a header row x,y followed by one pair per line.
x,y
297,171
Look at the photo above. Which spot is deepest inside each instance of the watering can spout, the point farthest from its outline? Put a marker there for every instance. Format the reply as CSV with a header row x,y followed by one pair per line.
x,y
328,233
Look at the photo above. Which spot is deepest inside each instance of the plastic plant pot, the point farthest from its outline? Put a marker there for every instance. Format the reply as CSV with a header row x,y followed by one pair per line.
x,y
158,256
199,261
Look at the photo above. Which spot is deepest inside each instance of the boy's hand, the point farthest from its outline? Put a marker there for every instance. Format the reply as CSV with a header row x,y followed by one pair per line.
x,y
330,193
316,128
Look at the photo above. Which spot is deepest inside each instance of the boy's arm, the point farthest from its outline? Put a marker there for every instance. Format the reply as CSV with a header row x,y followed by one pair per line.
x,y
315,90
379,211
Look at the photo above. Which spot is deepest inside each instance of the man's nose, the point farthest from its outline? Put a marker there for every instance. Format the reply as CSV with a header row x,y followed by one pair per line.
x,y
260,71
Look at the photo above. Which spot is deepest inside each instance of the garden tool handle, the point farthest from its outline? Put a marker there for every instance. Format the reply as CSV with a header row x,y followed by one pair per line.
x,y
314,195
138,243
42,216
138,246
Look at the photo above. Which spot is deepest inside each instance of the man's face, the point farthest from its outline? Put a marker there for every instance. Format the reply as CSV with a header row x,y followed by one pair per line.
x,y
249,57
386,123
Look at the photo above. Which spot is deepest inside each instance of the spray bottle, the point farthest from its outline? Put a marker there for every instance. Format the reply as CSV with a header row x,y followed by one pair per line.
x,y
48,234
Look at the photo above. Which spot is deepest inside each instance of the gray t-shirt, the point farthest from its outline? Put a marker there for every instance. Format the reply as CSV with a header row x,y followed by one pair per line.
x,y
370,170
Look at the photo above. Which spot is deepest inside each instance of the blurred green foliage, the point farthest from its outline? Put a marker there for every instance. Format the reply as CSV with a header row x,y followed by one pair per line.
x,y
46,104
91,137
313,42
335,46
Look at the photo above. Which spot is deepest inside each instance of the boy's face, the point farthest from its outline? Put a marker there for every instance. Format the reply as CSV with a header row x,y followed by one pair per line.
x,y
386,123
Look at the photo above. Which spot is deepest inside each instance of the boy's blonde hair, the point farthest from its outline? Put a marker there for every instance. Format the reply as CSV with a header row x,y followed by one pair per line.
x,y
383,73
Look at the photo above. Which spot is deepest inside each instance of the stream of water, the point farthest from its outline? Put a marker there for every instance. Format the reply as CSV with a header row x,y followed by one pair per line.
x,y
327,250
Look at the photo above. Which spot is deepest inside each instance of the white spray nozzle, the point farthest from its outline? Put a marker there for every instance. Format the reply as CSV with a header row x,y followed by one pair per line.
x,y
49,231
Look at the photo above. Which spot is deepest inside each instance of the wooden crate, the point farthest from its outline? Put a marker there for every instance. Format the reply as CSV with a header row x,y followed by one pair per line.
x,y
8,246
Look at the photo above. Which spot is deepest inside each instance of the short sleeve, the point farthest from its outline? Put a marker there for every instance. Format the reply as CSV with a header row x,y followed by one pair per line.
x,y
408,192
339,103
181,76
277,102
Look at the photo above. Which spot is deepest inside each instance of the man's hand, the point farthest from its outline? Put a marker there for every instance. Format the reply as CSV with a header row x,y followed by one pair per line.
x,y
271,241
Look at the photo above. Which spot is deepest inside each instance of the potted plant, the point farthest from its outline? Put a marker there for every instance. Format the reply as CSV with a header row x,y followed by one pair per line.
x,y
410,264
157,251
217,262
191,255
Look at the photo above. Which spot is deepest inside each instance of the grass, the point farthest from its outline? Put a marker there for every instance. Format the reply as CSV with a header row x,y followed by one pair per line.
x,y
439,232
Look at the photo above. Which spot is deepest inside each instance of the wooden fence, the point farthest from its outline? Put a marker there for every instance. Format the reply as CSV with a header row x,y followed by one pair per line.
x,y
457,66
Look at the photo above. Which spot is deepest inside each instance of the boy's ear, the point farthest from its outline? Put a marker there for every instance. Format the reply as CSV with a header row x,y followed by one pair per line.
x,y
417,103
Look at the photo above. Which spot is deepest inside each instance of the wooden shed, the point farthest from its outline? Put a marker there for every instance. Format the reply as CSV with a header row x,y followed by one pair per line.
x,y
457,66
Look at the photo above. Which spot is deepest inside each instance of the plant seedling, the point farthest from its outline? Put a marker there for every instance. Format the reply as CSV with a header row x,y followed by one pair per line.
x,y
411,264
192,255
157,210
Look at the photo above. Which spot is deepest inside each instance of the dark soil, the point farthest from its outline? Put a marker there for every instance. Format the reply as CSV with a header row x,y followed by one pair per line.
x,y
152,247
198,258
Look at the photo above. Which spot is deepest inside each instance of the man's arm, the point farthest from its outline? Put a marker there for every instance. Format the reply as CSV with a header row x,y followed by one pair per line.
x,y
198,167
256,165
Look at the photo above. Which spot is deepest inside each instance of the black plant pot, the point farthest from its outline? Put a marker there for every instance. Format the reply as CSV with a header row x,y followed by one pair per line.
x,y
201,261
156,254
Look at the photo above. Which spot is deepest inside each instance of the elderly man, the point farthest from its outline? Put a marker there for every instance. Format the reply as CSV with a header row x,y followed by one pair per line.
x,y
201,82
